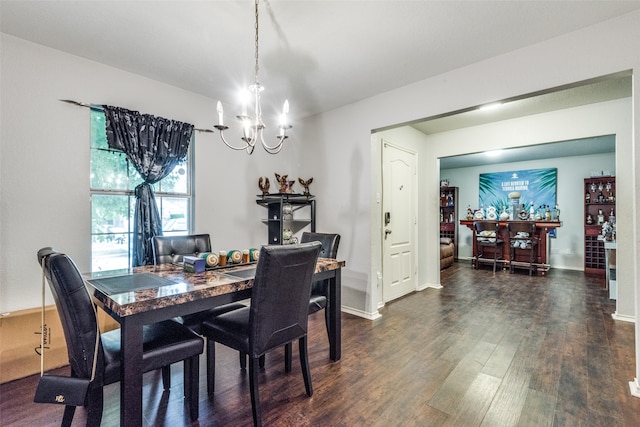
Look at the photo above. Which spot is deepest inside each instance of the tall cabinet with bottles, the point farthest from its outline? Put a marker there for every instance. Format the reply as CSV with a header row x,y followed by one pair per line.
x,y
599,206
449,215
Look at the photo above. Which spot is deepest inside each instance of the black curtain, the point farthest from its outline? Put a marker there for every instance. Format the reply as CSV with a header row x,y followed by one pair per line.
x,y
154,146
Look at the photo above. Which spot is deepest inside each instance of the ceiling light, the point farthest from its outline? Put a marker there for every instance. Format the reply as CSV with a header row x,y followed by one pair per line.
x,y
253,125
492,106
493,153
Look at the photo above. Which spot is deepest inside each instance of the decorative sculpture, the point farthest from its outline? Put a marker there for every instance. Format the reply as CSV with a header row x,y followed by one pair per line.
x,y
306,184
285,185
264,185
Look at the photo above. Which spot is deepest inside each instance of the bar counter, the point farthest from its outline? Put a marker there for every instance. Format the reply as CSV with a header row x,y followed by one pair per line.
x,y
542,230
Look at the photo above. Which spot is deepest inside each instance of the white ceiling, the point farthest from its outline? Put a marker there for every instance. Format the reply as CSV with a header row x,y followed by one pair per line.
x,y
319,54
604,89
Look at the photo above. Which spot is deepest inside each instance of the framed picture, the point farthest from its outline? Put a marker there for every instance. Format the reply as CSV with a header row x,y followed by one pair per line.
x,y
537,186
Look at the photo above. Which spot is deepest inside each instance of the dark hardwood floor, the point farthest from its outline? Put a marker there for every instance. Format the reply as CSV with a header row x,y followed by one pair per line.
x,y
486,350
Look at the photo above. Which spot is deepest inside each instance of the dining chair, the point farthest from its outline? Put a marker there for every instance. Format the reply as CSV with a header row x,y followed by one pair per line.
x,y
522,239
172,249
319,299
164,343
278,314
487,235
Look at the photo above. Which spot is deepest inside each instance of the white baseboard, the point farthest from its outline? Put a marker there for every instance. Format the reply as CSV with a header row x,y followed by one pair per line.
x,y
623,317
370,316
429,285
634,387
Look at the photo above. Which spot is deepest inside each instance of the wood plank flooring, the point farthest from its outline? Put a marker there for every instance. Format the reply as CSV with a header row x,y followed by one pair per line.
x,y
486,350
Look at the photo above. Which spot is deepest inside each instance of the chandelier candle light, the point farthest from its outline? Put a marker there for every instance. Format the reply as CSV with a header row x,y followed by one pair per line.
x,y
253,126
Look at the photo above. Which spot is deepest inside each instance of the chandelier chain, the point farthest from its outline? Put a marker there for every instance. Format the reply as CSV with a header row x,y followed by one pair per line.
x,y
257,31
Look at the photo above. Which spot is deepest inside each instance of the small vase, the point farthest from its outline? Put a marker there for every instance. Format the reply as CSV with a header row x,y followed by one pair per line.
x,y
504,215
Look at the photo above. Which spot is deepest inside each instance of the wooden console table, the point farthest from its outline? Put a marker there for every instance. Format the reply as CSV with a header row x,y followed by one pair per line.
x,y
542,229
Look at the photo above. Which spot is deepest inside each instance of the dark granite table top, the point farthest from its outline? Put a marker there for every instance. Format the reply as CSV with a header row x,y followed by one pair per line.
x,y
157,286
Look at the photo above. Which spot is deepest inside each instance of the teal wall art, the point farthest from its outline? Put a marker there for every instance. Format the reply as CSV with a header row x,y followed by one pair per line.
x,y
534,185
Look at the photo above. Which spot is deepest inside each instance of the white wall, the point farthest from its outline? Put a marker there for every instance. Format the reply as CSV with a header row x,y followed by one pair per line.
x,y
567,248
340,136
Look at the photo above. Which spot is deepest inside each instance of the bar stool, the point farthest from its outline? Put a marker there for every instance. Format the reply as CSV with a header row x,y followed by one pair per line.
x,y
522,238
487,234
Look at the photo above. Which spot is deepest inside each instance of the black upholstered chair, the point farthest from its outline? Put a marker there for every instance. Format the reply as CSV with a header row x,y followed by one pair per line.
x,y
487,235
168,249
164,343
522,240
319,289
172,249
278,314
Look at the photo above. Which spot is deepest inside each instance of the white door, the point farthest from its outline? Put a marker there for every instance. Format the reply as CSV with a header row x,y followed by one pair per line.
x,y
399,273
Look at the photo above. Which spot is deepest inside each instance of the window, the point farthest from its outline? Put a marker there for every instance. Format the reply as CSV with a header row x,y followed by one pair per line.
x,y
113,180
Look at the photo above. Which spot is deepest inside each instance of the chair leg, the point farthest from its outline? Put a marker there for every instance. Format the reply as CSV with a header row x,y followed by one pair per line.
x,y
95,401
287,357
191,385
255,397
243,361
166,377
511,259
326,320
67,418
304,363
495,258
211,366
531,262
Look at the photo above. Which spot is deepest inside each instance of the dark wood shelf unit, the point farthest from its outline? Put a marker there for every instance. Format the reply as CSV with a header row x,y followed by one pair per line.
x,y
449,215
599,199
274,220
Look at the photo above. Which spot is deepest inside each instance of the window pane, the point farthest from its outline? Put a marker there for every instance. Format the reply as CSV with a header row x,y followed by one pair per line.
x,y
111,253
98,133
109,214
108,170
176,181
175,214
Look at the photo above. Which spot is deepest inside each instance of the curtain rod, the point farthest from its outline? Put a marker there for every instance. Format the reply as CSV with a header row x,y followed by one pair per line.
x,y
99,108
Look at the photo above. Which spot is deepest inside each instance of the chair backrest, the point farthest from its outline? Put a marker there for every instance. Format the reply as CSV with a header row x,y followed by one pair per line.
x,y
330,243
76,312
280,295
168,249
516,227
487,232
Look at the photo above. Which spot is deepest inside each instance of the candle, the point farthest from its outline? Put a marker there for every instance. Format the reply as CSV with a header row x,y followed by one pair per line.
x,y
220,114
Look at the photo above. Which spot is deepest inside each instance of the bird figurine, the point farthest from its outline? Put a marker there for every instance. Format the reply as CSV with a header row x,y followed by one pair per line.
x,y
305,185
285,185
264,185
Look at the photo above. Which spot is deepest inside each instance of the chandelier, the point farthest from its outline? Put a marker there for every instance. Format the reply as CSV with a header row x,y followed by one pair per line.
x,y
252,125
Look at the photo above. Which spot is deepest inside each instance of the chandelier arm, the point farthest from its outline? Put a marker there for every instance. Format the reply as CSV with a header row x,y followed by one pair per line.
x,y
278,146
222,129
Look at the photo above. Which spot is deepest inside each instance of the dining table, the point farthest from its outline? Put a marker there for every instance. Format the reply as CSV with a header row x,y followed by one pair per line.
x,y
142,295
